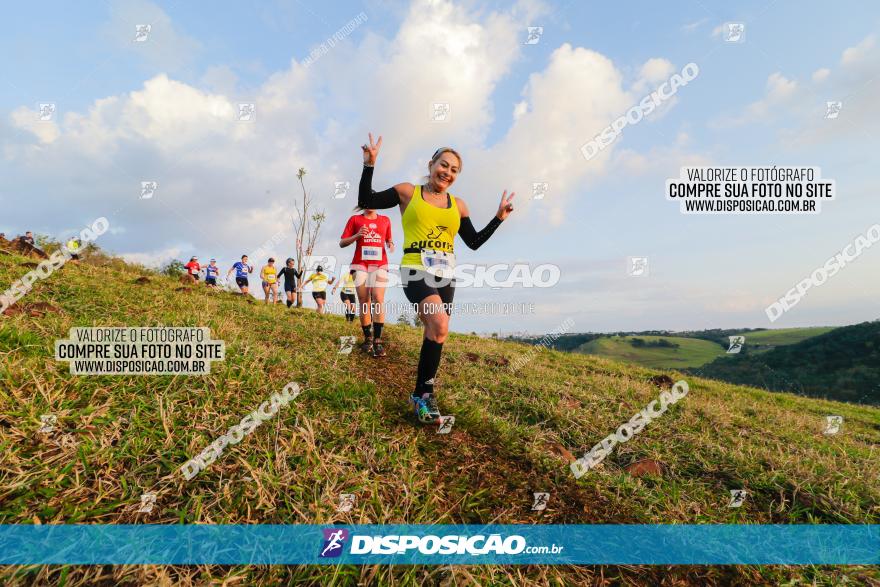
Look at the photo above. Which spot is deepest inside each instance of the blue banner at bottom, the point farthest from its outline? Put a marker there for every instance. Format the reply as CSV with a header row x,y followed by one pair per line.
x,y
441,544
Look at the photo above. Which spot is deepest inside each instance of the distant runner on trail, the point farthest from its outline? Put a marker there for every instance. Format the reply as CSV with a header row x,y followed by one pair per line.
x,y
347,295
371,232
211,272
241,269
431,218
269,275
319,283
290,275
73,247
193,267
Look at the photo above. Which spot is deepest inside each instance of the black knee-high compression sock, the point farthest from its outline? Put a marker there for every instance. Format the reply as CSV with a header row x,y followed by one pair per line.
x,y
289,303
377,330
366,330
429,362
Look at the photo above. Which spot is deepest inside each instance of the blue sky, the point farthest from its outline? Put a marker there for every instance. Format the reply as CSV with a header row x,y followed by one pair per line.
x,y
157,110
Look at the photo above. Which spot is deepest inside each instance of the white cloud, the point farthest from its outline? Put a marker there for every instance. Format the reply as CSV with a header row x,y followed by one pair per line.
x,y
857,54
779,90
154,259
692,26
228,185
652,73
578,94
854,85
820,75
25,118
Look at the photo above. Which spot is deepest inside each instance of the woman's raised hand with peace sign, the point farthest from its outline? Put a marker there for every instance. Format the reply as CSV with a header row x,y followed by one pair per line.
x,y
371,150
506,205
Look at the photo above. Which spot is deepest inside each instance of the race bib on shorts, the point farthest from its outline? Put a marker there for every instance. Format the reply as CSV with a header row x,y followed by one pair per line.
x,y
438,263
371,253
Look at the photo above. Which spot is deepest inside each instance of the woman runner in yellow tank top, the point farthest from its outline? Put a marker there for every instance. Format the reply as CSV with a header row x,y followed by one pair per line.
x,y
431,218
269,275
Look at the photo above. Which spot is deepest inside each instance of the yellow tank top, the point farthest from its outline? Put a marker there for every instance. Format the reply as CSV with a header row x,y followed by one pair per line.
x,y
348,284
319,282
269,274
428,227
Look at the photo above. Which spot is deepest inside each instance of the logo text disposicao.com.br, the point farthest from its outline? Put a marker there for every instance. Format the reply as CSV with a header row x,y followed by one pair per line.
x,y
336,539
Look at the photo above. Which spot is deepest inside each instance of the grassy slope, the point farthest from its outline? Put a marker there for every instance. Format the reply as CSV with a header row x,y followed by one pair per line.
x,y
692,352
785,336
350,431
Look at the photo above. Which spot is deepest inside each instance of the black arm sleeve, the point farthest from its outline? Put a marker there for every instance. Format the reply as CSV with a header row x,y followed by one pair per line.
x,y
298,274
367,198
471,237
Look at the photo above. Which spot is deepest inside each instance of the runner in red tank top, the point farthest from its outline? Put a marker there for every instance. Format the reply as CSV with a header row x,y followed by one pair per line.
x,y
371,231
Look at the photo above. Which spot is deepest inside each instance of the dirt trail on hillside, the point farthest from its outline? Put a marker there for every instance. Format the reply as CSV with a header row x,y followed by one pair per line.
x,y
466,457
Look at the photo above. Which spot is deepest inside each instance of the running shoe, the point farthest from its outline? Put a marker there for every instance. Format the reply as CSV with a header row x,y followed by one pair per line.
x,y
367,345
378,348
426,408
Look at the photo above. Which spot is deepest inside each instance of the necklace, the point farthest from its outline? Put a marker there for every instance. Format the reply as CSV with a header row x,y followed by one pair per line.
x,y
432,191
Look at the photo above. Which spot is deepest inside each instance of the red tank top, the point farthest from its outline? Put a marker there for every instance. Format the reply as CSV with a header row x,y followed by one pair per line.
x,y
370,249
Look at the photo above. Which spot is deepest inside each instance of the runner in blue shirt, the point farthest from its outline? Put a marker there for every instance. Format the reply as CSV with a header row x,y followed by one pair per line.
x,y
211,271
242,269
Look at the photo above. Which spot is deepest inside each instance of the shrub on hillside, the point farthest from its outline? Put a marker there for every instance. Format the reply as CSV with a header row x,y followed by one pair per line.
x,y
173,268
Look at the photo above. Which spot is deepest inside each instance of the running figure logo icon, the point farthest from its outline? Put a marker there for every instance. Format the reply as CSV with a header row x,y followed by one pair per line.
x,y
734,32
737,497
340,189
435,234
46,111
540,503
539,189
148,188
736,344
327,262
636,266
535,33
247,112
832,109
346,344
142,32
446,423
346,502
833,424
148,500
440,111
334,539
47,423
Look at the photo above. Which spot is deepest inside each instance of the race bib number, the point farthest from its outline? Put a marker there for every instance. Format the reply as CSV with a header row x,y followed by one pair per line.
x,y
438,263
371,253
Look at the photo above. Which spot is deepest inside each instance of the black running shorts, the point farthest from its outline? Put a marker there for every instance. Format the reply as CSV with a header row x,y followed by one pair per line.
x,y
418,285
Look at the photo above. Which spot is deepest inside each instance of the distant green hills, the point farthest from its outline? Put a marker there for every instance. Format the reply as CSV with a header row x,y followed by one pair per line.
x,y
840,363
